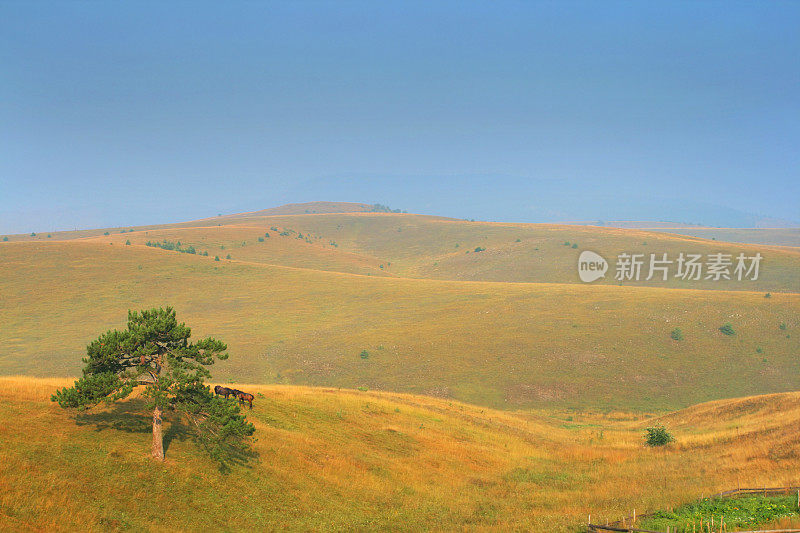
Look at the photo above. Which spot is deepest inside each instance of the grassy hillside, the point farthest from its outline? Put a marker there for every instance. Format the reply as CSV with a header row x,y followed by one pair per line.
x,y
438,248
348,460
506,345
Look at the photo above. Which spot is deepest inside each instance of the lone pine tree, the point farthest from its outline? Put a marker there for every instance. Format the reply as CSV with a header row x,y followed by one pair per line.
x,y
155,352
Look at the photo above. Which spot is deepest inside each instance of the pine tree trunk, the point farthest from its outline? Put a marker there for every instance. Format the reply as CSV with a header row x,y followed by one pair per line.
x,y
158,439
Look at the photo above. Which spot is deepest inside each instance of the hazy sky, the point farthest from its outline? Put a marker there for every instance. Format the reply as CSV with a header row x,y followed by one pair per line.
x,y
122,113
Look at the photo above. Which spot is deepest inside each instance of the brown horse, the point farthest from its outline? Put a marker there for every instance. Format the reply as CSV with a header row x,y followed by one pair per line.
x,y
225,391
245,397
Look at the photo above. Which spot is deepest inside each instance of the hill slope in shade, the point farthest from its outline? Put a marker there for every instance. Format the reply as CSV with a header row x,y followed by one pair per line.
x,y
347,460
507,345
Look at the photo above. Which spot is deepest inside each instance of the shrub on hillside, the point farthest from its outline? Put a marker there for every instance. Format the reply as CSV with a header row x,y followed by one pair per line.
x,y
727,329
364,354
658,436
480,249
676,334
782,326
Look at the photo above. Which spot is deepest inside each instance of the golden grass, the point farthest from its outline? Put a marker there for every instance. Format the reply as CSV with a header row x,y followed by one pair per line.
x,y
434,247
344,459
508,345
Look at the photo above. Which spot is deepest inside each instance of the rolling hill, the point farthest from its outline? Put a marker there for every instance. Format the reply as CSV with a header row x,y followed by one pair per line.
x,y
300,310
362,461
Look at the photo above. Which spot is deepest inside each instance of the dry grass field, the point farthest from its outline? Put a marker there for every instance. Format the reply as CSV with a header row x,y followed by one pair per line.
x,y
505,345
350,460
401,383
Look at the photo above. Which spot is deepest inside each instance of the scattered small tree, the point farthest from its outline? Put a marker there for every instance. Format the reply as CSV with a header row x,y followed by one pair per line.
x,y
658,436
128,242
155,352
768,295
727,329
364,354
676,334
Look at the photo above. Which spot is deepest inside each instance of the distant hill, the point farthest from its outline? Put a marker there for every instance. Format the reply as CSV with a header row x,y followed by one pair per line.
x,y
307,208
490,313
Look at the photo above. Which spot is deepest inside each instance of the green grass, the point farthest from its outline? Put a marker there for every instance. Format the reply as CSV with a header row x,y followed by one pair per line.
x,y
749,512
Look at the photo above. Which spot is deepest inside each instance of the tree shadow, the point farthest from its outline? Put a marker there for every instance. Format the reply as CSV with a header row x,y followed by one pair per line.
x,y
121,416
128,417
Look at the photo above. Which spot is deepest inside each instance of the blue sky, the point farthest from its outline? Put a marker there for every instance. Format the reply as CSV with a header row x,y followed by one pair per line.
x,y
117,113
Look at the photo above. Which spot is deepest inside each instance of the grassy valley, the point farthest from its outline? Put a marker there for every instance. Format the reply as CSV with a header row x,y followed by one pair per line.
x,y
342,459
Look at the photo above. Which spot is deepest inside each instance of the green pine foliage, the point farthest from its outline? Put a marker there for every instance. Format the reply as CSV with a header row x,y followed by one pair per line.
x,y
155,352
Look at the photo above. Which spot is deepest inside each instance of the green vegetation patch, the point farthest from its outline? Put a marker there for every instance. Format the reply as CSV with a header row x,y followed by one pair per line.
x,y
736,512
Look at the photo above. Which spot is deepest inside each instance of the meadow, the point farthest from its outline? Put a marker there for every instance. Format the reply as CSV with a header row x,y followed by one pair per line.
x,y
343,459
504,345
410,373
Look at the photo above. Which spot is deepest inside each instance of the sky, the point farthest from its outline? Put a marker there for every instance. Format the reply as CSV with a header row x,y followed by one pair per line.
x,y
126,113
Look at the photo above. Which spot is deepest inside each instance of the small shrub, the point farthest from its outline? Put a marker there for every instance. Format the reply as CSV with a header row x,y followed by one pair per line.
x,y
658,436
266,234
216,258
768,295
518,240
205,254
567,243
782,326
228,256
759,350
364,354
727,329
48,235
363,388
5,239
261,239
480,249
34,234
574,244
128,242
676,334
106,233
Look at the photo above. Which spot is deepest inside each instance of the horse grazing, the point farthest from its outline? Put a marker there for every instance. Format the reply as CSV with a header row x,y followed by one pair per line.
x,y
225,391
245,397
